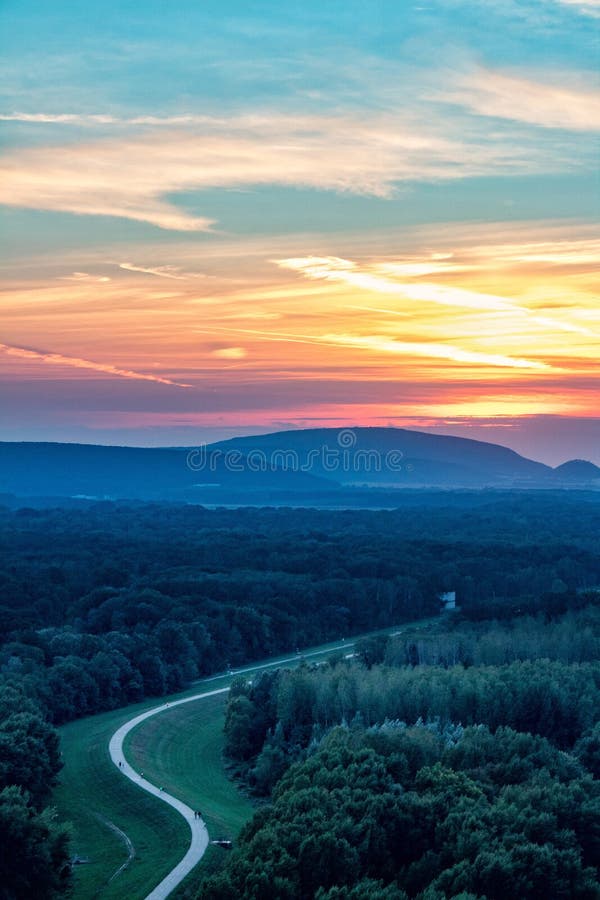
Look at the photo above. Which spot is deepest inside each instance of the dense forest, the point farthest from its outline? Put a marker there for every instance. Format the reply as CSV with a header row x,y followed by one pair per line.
x,y
431,779
106,604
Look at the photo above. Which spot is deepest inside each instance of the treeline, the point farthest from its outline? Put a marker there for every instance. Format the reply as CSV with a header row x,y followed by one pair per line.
x,y
106,605
34,849
491,792
271,723
573,637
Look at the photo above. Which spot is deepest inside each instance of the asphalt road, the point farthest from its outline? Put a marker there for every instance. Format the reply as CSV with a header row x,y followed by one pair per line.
x,y
199,834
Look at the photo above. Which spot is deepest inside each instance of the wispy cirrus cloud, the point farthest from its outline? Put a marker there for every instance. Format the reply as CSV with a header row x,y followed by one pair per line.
x,y
381,344
57,118
376,278
173,272
85,277
584,252
94,119
369,154
58,359
436,351
549,104
586,7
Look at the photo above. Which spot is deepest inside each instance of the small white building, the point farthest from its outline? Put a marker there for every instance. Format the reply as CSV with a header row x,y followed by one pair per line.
x,y
448,600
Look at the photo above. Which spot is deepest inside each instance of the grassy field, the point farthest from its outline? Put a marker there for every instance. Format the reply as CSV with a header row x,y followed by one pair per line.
x,y
93,796
179,750
182,752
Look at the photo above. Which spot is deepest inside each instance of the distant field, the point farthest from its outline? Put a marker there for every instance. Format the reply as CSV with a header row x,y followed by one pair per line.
x,y
179,750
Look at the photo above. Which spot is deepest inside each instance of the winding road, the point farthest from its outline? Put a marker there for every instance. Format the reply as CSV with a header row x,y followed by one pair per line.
x,y
199,839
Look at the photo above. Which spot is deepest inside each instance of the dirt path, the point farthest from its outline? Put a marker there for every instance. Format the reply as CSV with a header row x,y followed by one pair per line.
x,y
126,840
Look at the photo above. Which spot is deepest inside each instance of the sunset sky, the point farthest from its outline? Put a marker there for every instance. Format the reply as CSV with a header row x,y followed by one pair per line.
x,y
233,217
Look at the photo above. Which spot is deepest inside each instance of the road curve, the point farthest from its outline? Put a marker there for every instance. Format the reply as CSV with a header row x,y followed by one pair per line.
x,y
199,839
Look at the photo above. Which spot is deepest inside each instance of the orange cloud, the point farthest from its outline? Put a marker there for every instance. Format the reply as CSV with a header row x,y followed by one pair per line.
x,y
59,360
369,278
446,318
230,353
380,344
173,272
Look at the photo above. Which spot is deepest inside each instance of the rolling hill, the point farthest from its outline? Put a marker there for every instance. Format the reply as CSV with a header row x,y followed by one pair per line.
x,y
392,456
309,466
93,471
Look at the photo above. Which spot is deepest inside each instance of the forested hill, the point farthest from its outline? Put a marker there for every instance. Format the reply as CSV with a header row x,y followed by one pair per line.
x,y
348,467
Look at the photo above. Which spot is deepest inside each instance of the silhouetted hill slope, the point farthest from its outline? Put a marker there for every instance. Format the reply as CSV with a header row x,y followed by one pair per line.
x,y
394,456
34,469
579,470
311,466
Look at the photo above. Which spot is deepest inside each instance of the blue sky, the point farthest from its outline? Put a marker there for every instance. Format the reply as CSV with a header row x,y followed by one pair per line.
x,y
362,60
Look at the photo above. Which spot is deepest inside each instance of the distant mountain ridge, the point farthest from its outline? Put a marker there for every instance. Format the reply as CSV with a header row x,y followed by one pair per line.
x,y
92,470
425,459
305,463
